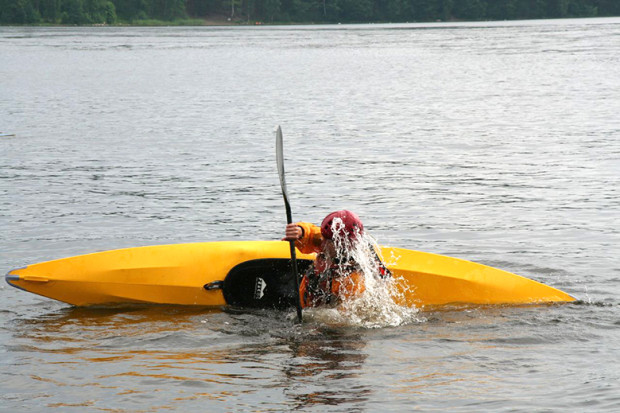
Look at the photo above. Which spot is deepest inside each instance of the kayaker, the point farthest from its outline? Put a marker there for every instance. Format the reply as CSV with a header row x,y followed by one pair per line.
x,y
335,275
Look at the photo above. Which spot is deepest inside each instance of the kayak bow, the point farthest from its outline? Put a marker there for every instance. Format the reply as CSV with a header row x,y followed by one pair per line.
x,y
258,274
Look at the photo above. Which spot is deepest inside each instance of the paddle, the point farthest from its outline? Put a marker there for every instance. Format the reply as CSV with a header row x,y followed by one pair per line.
x,y
289,218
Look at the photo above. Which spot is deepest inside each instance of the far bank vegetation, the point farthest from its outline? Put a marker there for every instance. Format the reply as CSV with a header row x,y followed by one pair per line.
x,y
202,12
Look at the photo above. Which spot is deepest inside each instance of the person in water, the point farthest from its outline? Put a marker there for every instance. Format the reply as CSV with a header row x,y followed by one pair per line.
x,y
335,275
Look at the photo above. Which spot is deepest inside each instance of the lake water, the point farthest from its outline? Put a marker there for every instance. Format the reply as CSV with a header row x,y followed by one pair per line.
x,y
494,142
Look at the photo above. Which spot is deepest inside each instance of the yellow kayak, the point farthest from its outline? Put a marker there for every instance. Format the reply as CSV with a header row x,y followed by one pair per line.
x,y
257,274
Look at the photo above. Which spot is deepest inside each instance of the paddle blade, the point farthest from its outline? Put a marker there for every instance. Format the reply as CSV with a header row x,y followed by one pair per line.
x,y
280,160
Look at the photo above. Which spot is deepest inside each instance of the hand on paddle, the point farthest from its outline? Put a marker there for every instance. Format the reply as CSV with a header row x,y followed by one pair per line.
x,y
292,233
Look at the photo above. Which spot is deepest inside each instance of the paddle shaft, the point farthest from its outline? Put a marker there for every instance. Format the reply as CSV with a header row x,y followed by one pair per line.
x,y
289,217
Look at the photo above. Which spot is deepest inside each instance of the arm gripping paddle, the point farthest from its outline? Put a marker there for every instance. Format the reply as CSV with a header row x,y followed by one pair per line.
x,y
289,219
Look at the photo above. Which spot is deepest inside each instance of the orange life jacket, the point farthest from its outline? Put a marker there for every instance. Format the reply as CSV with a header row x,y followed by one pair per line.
x,y
327,282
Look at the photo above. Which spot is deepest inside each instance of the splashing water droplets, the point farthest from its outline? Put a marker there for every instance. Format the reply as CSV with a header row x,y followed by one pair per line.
x,y
376,305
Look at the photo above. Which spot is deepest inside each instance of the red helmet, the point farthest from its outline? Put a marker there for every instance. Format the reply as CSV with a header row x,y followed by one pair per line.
x,y
352,224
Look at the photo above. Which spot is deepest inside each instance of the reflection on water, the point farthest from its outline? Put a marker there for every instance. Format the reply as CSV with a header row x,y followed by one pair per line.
x,y
202,352
169,357
321,366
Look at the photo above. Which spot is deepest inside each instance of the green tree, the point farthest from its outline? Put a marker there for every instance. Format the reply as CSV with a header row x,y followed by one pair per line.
x,y
607,7
531,9
110,13
167,10
50,10
203,8
356,10
557,8
447,7
18,11
425,10
579,8
470,9
271,8
297,10
234,7
392,10
502,9
73,12
130,10
96,11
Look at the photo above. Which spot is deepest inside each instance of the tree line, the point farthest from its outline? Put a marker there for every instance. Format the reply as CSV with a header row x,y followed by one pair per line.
x,y
77,12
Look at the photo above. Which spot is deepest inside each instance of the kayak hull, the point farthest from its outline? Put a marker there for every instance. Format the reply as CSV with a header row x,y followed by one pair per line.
x,y
426,279
257,274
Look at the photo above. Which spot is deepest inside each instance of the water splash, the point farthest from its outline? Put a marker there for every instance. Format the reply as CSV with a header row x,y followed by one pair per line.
x,y
376,306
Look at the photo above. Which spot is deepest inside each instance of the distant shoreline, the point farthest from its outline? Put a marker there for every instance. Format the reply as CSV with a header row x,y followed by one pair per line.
x,y
145,23
224,22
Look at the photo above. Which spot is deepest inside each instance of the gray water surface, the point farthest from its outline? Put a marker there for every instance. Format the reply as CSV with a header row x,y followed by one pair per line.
x,y
494,142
